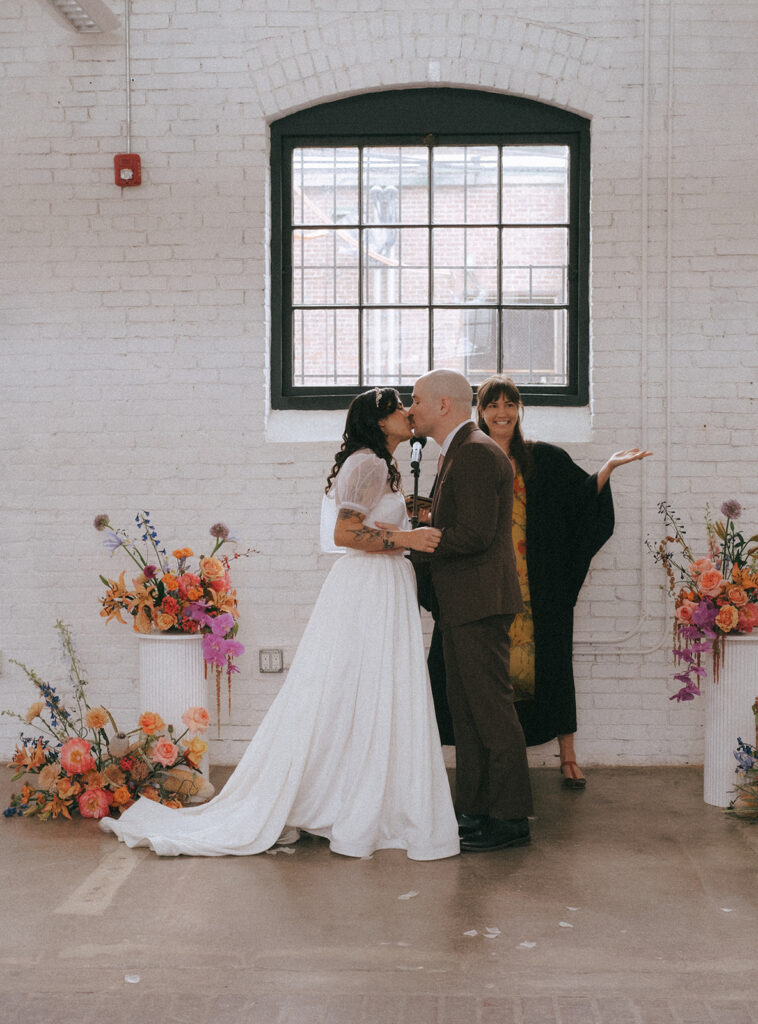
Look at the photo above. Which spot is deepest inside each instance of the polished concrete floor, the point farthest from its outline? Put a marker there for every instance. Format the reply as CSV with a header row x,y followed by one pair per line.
x,y
635,904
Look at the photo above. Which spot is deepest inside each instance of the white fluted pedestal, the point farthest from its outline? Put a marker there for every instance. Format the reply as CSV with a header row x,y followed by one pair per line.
x,y
729,715
172,678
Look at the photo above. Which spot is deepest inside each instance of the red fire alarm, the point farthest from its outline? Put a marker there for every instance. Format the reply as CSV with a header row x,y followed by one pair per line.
x,y
128,169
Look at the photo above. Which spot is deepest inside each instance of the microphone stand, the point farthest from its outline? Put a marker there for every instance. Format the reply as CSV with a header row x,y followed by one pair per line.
x,y
415,471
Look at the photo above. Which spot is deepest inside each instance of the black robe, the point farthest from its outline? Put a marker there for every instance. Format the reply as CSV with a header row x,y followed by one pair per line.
x,y
567,522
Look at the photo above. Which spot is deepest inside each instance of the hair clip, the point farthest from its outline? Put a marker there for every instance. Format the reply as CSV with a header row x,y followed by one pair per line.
x,y
379,393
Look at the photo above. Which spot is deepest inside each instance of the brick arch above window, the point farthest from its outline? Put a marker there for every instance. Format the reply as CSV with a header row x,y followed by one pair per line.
x,y
429,227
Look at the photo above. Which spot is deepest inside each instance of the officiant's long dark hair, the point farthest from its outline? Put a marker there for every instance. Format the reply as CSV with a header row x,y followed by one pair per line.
x,y
362,430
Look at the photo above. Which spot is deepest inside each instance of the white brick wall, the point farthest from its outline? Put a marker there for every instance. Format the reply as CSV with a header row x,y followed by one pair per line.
x,y
134,328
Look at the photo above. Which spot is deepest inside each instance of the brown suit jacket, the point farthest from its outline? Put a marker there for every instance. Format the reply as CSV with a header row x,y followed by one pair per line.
x,y
473,570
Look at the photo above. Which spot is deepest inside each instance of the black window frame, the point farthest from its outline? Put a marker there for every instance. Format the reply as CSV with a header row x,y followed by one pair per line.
x,y
444,116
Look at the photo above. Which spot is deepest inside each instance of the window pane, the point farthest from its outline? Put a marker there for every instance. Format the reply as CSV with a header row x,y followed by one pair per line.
x,y
534,345
324,267
453,339
535,265
396,266
395,345
535,184
324,347
395,185
465,265
464,182
325,186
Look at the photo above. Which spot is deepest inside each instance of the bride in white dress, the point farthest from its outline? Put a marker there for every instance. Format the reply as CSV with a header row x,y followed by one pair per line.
x,y
349,749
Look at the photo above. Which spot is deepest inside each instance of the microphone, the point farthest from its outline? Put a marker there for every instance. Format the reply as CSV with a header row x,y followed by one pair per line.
x,y
417,443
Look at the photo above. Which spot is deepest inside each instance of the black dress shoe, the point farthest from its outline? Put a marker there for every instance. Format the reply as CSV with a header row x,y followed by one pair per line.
x,y
468,823
497,834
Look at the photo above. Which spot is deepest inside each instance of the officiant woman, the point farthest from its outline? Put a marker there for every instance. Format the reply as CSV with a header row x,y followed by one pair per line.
x,y
562,516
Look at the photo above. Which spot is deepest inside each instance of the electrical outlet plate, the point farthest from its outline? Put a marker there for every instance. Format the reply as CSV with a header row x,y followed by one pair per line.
x,y
270,659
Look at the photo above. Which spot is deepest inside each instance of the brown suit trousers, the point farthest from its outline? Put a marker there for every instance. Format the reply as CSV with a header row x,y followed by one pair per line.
x,y
476,595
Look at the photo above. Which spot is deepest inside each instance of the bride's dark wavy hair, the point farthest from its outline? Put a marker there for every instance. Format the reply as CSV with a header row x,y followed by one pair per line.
x,y
489,391
362,430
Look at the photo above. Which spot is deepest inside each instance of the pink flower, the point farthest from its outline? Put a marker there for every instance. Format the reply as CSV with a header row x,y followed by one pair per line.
x,y
216,649
684,612
748,618
196,719
165,752
702,565
710,583
94,803
76,756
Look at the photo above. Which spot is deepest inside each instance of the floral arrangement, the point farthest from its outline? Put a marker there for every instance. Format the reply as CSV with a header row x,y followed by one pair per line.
x,y
745,803
171,598
714,596
82,765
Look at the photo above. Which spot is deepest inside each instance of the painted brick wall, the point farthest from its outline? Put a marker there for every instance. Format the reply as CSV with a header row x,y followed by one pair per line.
x,y
134,323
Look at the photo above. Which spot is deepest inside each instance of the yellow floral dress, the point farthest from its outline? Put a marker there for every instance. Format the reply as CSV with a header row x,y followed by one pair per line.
x,y
522,628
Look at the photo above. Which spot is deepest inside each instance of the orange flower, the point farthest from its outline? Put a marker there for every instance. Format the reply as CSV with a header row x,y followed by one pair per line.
x,y
150,723
183,553
122,797
727,618
151,793
172,802
115,599
141,604
37,757
736,596
743,578
196,719
96,718
67,789
169,581
163,621
20,759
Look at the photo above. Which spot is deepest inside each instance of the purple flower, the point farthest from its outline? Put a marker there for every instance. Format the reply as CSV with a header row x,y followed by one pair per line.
x,y
150,572
101,521
731,509
220,531
216,650
221,625
113,541
704,615
196,611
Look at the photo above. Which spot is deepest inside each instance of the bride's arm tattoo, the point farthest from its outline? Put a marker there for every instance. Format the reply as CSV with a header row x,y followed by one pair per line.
x,y
352,521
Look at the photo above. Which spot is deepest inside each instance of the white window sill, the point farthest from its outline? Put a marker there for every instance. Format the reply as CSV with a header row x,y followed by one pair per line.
x,y
557,424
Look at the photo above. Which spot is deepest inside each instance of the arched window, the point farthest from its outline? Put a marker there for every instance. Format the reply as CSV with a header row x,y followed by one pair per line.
x,y
423,228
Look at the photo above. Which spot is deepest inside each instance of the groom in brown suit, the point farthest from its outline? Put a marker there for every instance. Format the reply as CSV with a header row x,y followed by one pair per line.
x,y
475,598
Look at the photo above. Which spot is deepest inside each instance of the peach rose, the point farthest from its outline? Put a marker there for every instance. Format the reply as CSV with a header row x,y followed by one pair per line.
x,y
212,568
151,793
702,565
150,723
194,750
710,583
94,803
728,618
34,711
164,752
683,613
736,596
76,756
172,802
196,719
96,718
163,621
748,618
190,586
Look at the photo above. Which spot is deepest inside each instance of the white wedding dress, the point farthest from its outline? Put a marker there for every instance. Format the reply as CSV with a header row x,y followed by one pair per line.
x,y
349,749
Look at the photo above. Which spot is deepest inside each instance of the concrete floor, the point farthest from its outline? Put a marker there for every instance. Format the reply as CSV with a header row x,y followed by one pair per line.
x,y
635,904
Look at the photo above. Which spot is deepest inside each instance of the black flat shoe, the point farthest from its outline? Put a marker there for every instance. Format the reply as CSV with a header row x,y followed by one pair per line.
x,y
572,781
497,835
470,823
